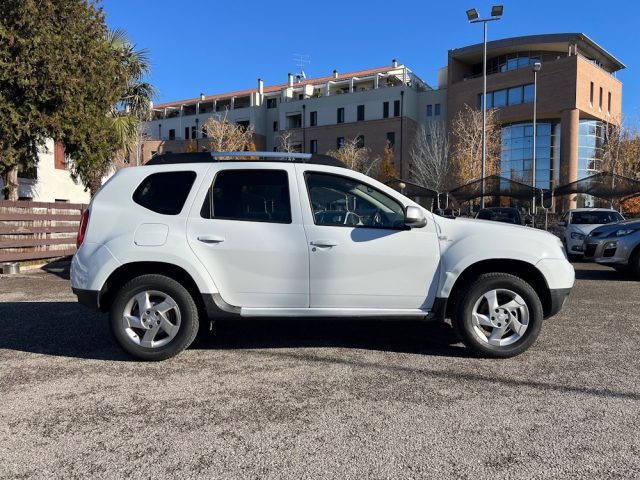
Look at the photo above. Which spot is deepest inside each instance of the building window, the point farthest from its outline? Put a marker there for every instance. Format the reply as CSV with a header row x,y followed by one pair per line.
x,y
360,141
609,102
436,109
340,115
514,96
172,134
339,142
272,102
313,119
275,125
591,95
385,110
527,93
396,108
294,121
360,113
186,133
600,101
313,146
429,110
391,138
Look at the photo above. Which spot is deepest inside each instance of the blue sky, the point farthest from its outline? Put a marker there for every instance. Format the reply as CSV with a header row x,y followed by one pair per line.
x,y
215,46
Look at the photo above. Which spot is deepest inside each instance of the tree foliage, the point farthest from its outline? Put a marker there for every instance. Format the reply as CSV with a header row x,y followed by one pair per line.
x,y
387,170
466,155
58,76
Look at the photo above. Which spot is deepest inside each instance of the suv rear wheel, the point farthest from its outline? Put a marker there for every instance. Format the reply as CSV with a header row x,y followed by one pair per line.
x,y
153,317
499,315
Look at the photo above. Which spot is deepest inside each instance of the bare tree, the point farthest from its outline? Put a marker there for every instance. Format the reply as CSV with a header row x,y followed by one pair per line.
x,y
621,149
355,156
224,136
285,139
431,162
466,152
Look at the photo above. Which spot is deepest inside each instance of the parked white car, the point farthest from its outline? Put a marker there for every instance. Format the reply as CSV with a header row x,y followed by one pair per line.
x,y
576,224
189,237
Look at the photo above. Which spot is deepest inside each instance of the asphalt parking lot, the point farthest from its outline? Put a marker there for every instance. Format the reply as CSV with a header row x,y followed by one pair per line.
x,y
319,399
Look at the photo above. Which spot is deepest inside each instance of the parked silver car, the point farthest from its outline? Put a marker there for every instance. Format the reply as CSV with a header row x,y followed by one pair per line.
x,y
616,245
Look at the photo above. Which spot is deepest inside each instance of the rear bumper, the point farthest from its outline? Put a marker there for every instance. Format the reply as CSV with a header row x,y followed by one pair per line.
x,y
558,298
88,298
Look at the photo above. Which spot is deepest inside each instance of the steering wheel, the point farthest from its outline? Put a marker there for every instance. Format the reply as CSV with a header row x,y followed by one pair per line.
x,y
352,218
378,219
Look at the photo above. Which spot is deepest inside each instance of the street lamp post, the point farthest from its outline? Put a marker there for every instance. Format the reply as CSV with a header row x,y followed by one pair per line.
x,y
474,17
536,68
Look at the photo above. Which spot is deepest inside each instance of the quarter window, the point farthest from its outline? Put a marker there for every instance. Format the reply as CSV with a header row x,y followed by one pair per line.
x,y
341,201
249,195
165,192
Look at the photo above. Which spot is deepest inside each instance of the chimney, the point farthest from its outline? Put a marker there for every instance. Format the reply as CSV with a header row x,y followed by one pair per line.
x,y
335,74
394,62
202,97
291,79
297,78
260,87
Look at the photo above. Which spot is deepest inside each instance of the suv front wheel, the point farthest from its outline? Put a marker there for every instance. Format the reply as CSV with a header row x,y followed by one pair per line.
x,y
499,315
153,317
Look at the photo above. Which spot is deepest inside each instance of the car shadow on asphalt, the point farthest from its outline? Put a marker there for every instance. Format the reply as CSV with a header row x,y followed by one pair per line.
x,y
599,274
70,330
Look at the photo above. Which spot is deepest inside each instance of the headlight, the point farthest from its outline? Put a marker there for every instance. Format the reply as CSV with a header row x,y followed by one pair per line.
x,y
577,236
624,231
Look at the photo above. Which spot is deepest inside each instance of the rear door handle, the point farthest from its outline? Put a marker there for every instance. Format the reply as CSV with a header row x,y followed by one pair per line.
x,y
210,239
324,243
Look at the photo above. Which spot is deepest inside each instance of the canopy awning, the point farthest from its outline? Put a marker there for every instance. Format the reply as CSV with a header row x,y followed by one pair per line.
x,y
603,185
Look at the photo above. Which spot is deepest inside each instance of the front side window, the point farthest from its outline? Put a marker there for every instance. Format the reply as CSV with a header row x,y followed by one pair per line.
x,y
249,195
164,193
341,201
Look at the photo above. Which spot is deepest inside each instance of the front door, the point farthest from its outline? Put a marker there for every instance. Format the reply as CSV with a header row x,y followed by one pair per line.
x,y
249,235
361,254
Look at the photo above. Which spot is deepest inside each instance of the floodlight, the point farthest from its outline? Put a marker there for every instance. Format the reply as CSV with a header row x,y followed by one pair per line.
x,y
496,10
472,14
537,66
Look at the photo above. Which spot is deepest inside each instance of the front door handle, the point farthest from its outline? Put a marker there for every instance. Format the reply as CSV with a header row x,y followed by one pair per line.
x,y
210,239
324,243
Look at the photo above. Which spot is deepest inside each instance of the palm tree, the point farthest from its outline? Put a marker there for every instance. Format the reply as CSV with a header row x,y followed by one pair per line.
x,y
135,102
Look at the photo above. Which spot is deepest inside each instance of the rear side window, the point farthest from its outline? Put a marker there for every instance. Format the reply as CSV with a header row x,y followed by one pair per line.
x,y
165,192
250,195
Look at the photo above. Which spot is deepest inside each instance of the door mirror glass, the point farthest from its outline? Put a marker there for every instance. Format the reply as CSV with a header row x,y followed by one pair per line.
x,y
414,217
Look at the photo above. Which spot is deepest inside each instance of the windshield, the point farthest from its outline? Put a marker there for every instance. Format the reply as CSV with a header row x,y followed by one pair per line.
x,y
595,218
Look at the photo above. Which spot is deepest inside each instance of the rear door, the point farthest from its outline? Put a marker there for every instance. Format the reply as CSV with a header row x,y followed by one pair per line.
x,y
246,228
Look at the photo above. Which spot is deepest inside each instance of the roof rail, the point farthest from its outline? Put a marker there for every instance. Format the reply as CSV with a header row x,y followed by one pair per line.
x,y
296,155
202,157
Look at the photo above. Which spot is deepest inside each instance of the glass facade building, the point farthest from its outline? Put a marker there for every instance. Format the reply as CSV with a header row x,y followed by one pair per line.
x,y
591,138
516,160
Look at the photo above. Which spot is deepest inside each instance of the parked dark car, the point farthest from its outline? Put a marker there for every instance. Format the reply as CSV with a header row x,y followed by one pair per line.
x,y
616,245
501,214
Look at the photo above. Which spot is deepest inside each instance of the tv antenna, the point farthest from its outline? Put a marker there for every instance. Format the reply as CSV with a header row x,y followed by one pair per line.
x,y
301,60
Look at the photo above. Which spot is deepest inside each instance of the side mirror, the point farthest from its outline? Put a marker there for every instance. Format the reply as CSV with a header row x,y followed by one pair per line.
x,y
414,217
562,223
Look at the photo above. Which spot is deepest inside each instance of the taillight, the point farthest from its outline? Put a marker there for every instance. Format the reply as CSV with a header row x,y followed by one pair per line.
x,y
84,221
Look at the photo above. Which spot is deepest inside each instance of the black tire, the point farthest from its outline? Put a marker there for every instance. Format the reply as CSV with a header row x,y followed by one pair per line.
x,y
188,311
463,324
634,264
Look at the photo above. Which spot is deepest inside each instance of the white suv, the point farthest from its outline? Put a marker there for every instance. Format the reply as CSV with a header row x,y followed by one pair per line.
x,y
190,237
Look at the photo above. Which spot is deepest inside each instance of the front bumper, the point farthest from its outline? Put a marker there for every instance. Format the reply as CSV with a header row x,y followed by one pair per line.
x,y
558,298
608,251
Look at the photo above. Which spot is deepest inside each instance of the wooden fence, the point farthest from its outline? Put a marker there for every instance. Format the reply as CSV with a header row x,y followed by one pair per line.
x,y
38,230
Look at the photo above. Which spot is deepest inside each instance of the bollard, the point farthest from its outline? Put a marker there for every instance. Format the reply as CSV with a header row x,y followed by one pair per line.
x,y
10,268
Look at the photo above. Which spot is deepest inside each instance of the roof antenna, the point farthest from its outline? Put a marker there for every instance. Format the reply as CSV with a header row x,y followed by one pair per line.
x,y
301,60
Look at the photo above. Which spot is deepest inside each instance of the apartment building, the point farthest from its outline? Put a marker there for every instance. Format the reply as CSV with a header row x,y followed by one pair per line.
x,y
375,106
577,95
